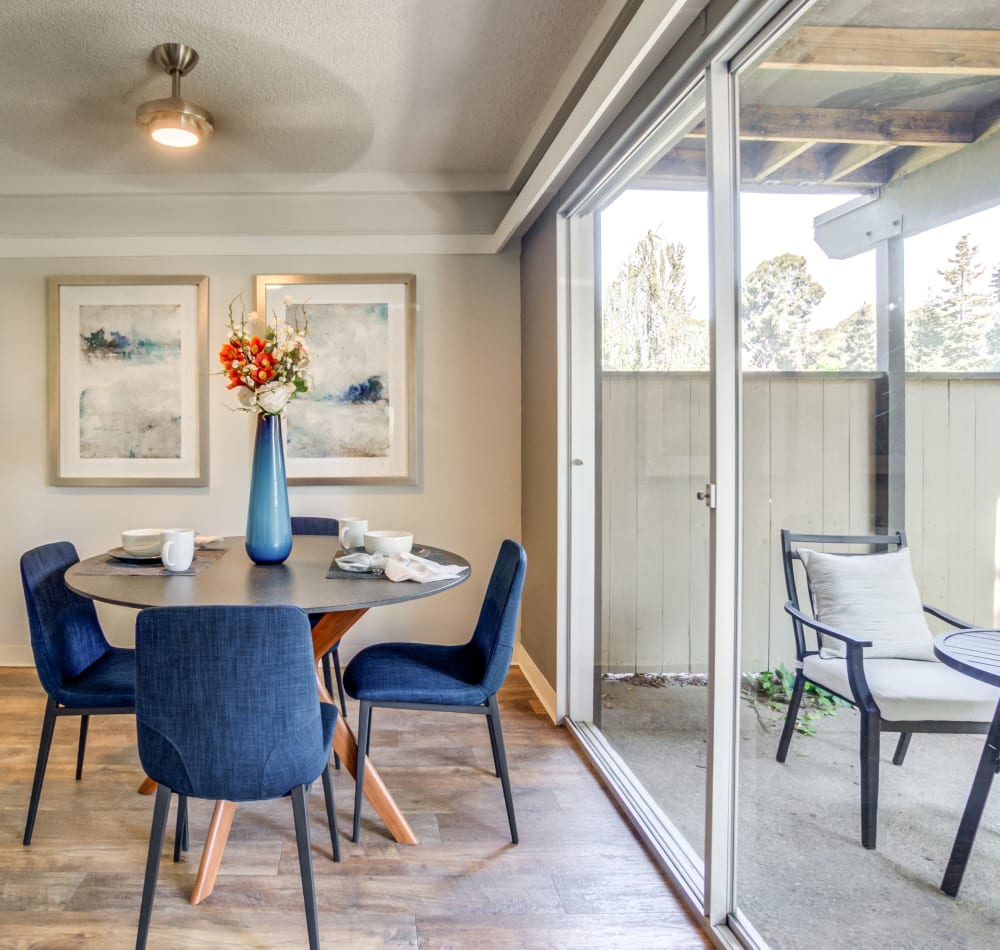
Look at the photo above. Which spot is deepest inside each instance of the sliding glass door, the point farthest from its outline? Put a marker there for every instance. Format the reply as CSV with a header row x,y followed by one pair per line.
x,y
797,318
651,667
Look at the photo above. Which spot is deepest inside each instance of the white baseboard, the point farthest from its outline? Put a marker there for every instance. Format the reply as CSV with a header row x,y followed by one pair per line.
x,y
16,654
545,693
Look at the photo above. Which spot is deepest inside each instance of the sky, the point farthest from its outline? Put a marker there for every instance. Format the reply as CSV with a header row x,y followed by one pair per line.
x,y
773,224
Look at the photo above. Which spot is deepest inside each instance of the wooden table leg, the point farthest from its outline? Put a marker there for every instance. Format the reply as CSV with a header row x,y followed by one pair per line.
x,y
327,633
215,845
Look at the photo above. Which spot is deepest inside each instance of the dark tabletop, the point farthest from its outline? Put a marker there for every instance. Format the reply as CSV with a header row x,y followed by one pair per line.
x,y
973,652
235,579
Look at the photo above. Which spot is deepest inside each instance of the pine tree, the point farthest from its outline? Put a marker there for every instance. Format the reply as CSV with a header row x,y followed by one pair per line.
x,y
950,332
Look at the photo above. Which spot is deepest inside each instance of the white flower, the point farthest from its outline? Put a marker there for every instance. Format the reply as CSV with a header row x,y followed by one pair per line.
x,y
271,398
287,300
255,326
247,397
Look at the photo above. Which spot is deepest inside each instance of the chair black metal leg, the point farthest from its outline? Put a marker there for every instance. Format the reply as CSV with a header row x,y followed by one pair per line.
x,y
331,814
82,747
869,742
181,831
989,762
793,713
328,682
305,863
327,673
364,728
335,653
156,836
44,743
497,732
493,745
368,741
901,747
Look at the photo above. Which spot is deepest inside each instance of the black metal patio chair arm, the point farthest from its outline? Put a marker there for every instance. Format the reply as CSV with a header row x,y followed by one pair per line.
x,y
848,638
948,618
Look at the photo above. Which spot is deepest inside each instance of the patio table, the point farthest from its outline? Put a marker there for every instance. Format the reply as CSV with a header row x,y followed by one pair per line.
x,y
975,653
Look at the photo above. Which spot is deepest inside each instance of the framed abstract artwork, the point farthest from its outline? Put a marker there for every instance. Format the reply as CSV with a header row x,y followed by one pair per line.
x,y
357,423
128,360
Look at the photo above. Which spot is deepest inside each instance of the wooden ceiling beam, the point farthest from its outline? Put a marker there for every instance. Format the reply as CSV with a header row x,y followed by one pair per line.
x,y
849,158
775,155
875,50
686,163
853,126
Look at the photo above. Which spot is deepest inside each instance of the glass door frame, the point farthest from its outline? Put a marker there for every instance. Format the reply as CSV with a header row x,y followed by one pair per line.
x,y
709,886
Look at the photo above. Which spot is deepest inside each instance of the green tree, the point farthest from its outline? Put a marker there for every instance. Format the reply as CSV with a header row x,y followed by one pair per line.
x,y
647,321
778,297
993,333
950,332
850,345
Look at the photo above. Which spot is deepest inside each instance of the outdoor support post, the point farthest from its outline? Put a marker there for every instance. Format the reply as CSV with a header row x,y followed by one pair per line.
x,y
890,389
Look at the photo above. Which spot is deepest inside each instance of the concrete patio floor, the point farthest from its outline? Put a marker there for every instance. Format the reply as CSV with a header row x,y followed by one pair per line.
x,y
803,877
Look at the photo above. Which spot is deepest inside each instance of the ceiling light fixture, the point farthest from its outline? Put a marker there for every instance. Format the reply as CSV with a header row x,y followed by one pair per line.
x,y
175,121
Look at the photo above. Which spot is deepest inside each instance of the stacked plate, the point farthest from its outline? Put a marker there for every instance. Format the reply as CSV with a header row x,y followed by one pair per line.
x,y
142,542
388,542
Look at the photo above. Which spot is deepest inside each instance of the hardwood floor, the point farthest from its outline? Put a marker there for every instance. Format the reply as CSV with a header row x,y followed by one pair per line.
x,y
579,878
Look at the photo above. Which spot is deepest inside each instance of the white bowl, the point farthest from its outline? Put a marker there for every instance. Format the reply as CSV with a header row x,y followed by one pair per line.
x,y
142,541
388,542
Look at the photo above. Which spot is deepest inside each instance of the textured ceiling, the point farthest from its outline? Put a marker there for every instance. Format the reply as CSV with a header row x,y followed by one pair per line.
x,y
296,86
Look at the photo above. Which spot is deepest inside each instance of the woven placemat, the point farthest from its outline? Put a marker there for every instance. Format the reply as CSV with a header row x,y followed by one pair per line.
x,y
109,565
339,574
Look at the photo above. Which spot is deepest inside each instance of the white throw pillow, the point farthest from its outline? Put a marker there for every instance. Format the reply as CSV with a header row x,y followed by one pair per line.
x,y
873,596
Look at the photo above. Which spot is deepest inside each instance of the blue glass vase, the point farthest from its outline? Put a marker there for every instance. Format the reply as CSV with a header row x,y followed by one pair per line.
x,y
269,525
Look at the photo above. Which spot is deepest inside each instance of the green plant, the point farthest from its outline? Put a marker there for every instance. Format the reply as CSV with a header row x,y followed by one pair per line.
x,y
775,687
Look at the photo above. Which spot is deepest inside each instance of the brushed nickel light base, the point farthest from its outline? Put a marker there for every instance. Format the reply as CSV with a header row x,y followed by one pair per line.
x,y
175,122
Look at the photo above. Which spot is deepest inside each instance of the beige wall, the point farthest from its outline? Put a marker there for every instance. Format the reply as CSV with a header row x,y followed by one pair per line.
x,y
539,474
469,496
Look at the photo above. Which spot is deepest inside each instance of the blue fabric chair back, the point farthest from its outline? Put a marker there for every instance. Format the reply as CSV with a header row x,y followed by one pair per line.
x,y
492,642
66,636
226,701
306,524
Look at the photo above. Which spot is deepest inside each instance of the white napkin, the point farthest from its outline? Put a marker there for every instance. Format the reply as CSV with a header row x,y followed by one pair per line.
x,y
400,567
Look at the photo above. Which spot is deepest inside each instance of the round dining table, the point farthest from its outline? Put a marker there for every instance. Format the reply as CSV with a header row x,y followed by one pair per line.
x,y
309,579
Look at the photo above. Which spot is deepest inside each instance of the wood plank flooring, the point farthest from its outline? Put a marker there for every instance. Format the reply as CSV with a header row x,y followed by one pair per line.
x,y
579,878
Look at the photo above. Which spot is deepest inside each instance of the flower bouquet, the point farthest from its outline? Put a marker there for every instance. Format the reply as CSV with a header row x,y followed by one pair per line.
x,y
265,361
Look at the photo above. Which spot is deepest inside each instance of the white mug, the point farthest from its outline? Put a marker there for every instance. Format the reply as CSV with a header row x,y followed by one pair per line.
x,y
352,533
177,551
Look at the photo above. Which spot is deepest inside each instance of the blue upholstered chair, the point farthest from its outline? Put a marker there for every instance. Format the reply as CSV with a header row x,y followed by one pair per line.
x,y
462,679
326,526
80,671
208,730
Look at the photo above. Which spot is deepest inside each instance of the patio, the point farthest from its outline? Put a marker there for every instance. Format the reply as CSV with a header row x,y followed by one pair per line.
x,y
803,876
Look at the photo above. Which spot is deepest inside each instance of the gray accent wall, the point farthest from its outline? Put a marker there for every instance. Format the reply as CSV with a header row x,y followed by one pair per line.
x,y
539,470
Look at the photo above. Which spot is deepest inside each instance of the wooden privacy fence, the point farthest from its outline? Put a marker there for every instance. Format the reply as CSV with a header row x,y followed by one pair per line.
x,y
809,464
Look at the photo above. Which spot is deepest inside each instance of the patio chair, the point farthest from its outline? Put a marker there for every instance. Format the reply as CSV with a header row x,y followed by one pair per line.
x,y
207,730
871,646
436,677
82,674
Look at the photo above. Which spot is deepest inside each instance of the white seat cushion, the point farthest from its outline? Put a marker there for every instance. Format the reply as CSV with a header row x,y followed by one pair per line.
x,y
912,690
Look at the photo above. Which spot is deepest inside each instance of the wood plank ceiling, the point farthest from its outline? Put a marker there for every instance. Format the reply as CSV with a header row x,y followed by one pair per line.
x,y
892,101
